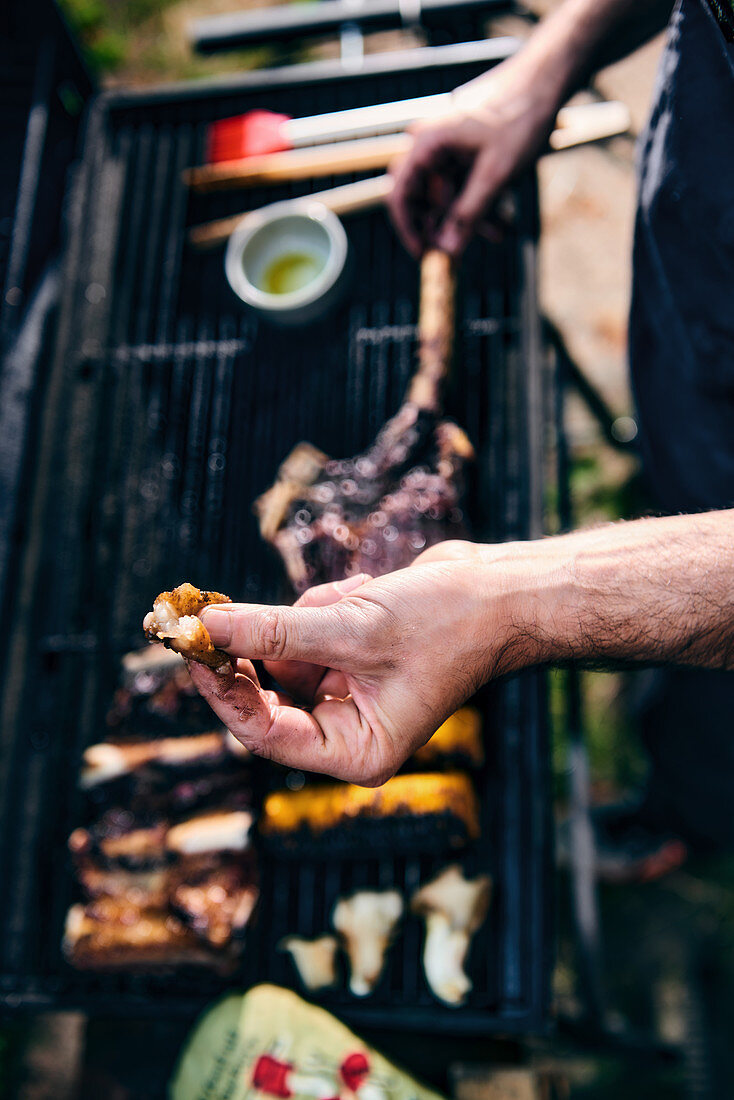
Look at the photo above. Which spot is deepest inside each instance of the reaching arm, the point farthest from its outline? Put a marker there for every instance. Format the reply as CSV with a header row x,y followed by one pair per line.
x,y
655,591
501,122
383,662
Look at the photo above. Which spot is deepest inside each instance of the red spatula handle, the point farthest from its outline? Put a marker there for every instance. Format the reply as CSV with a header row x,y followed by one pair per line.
x,y
252,134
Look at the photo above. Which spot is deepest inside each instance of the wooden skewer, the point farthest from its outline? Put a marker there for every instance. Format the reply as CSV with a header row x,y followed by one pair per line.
x,y
347,199
589,122
296,164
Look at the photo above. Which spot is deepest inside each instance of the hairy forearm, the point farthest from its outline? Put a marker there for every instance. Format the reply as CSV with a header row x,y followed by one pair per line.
x,y
653,591
561,53
385,661
569,45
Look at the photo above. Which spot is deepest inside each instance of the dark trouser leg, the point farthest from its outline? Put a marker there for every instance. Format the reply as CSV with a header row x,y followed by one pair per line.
x,y
686,412
687,726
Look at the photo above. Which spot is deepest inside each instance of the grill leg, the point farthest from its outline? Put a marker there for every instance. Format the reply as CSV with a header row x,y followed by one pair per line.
x,y
619,432
585,902
584,897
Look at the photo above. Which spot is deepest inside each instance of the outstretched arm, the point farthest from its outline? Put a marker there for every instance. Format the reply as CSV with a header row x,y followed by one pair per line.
x,y
501,122
383,662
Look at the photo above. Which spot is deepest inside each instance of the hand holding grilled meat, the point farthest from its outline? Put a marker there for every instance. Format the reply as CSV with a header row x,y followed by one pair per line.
x,y
394,656
382,668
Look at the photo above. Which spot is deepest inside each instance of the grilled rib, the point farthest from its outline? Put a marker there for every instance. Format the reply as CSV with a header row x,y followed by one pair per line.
x,y
216,901
106,761
374,513
118,840
110,934
156,697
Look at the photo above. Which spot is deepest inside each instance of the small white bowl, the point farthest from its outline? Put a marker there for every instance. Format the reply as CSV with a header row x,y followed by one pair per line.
x,y
294,228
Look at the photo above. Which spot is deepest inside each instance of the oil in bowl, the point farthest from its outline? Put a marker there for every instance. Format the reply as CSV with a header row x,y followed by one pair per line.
x,y
288,261
291,272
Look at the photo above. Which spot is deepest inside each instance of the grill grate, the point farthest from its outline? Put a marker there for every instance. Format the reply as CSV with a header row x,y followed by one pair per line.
x,y
167,411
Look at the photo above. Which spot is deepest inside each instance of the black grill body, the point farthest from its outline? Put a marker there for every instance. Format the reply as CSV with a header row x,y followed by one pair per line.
x,y
166,410
43,90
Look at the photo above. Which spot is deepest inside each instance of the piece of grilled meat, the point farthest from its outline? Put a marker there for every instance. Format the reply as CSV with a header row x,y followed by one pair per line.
x,y
374,513
215,899
200,871
110,934
156,698
174,622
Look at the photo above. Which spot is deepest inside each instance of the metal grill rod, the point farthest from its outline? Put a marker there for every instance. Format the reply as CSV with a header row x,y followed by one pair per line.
x,y
282,24
483,52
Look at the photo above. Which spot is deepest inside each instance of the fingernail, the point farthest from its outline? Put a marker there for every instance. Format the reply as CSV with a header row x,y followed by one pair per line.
x,y
449,239
218,624
350,583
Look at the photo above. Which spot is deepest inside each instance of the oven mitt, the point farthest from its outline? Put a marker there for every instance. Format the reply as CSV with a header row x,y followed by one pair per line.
x,y
271,1043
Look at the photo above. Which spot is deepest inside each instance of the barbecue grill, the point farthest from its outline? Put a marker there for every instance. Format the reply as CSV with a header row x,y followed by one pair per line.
x,y
164,411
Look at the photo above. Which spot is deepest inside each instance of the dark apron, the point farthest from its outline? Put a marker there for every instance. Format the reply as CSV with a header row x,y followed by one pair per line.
x,y
682,365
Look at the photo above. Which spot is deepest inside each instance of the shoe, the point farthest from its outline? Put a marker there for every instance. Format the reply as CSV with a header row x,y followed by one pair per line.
x,y
628,849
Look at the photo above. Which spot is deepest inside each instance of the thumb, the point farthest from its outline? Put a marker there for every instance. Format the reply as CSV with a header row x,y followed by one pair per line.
x,y
261,632
464,214
301,678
